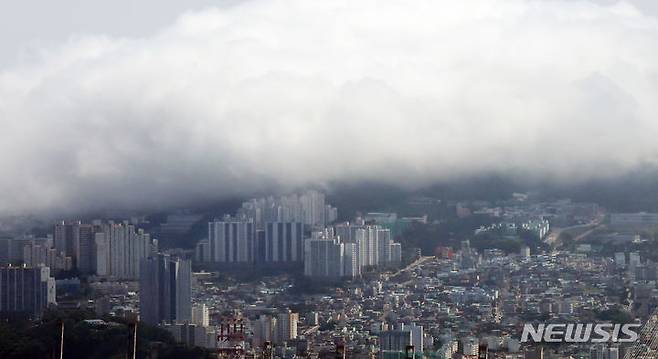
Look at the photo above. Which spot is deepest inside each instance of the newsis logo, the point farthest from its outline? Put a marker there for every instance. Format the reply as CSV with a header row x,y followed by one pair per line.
x,y
581,333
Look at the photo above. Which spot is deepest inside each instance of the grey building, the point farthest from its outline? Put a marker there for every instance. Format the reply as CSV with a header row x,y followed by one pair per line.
x,y
165,289
394,342
324,258
26,290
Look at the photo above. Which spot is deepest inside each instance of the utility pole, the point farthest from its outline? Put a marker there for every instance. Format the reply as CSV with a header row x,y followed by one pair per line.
x,y
135,341
61,340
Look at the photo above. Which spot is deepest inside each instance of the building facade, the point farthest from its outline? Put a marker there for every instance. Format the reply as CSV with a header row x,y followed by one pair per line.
x,y
232,240
284,242
119,249
26,290
165,290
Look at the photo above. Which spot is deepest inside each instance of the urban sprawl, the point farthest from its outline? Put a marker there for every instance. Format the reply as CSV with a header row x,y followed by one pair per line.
x,y
283,277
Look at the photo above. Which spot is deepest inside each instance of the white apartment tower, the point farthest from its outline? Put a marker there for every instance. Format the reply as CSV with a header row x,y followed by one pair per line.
x,y
283,242
232,240
200,315
120,248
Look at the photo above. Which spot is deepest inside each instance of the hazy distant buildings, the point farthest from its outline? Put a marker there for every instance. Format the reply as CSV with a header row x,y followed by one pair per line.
x,y
12,249
390,220
76,240
63,238
230,240
202,252
309,208
165,289
119,248
382,218
178,225
26,290
40,253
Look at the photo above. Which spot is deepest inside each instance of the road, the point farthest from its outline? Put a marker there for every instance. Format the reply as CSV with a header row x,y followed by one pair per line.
x,y
553,237
409,267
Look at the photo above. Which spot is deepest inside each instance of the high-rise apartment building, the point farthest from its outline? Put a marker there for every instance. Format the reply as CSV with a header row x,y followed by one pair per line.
x,y
374,243
64,239
40,253
324,256
191,334
77,240
366,239
384,242
27,290
264,330
232,240
11,249
84,250
284,242
396,254
119,249
351,266
200,315
342,251
165,289
286,327
393,343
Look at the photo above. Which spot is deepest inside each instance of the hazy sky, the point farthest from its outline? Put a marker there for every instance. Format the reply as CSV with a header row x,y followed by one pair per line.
x,y
28,25
135,104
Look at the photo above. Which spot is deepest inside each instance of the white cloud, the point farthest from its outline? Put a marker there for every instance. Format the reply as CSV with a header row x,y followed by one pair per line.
x,y
288,93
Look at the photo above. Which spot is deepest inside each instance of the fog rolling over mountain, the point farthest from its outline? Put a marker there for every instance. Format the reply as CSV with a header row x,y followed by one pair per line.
x,y
275,95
